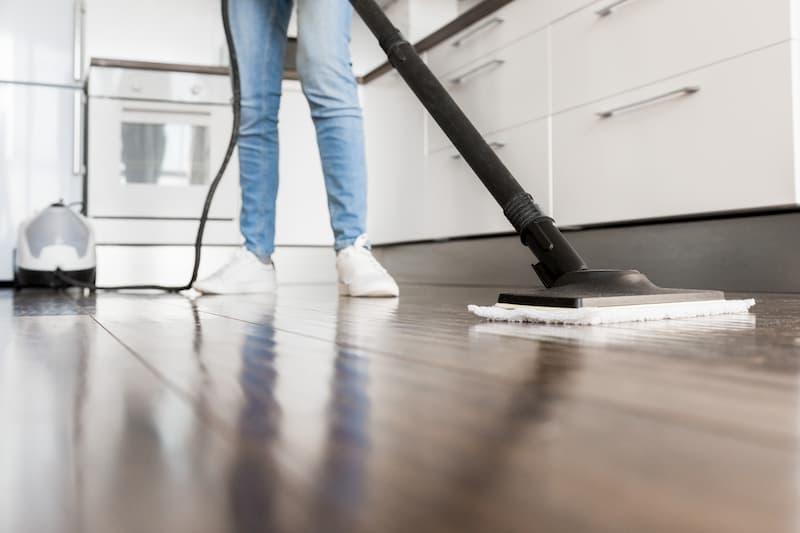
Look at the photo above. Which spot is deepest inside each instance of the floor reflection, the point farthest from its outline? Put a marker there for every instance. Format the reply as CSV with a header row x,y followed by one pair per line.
x,y
341,487
43,385
255,476
484,471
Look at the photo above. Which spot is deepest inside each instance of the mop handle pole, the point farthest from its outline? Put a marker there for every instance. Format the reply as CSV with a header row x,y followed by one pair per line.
x,y
538,232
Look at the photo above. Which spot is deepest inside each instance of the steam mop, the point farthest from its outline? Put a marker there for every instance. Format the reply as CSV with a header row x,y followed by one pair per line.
x,y
573,293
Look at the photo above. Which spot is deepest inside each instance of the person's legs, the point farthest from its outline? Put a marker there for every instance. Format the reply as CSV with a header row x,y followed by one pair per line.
x,y
323,62
259,33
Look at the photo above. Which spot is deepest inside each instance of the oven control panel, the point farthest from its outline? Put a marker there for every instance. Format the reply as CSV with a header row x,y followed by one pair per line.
x,y
140,84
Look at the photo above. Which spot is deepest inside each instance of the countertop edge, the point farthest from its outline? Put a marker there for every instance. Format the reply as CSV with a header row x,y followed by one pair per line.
x,y
463,21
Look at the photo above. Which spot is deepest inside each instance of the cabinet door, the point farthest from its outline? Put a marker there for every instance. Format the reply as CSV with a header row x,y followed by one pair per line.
x,y
499,29
503,89
612,46
458,204
38,40
36,157
395,132
672,151
302,211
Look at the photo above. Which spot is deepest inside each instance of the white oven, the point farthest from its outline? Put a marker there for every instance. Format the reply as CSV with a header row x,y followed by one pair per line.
x,y
155,141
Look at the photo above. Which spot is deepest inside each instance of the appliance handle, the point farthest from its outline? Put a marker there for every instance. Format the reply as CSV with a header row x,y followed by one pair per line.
x,y
684,91
610,8
162,111
79,11
494,21
476,71
77,134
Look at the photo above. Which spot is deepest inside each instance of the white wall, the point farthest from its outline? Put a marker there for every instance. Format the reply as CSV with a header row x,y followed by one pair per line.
x,y
172,31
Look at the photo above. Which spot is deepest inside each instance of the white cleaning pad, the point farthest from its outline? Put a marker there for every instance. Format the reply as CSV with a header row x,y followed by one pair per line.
x,y
591,316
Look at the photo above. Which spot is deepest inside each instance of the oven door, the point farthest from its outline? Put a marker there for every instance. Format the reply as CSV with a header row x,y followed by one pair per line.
x,y
156,160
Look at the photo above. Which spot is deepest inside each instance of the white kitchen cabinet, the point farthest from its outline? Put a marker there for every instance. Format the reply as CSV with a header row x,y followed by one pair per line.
x,y
603,50
705,98
36,157
730,146
394,122
502,89
458,204
501,28
302,209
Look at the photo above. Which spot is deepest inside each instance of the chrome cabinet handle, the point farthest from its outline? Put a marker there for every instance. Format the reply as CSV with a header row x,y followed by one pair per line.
x,y
477,70
77,134
78,12
610,8
685,91
496,145
494,21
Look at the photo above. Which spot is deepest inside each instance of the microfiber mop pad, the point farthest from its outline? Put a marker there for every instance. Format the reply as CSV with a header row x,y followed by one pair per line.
x,y
592,316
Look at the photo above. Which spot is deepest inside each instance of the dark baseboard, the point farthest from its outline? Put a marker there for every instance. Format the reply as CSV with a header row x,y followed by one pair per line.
x,y
748,253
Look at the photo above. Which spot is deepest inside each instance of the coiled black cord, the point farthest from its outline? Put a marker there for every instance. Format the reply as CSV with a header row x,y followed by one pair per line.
x,y
198,243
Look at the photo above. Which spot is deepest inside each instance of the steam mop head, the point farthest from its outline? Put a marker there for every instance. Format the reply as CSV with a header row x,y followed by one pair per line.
x,y
608,297
593,316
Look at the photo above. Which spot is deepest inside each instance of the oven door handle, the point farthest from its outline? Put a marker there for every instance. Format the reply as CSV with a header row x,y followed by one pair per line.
x,y
78,39
162,111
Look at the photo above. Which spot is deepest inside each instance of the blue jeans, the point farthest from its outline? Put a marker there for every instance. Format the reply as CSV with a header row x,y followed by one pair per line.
x,y
259,30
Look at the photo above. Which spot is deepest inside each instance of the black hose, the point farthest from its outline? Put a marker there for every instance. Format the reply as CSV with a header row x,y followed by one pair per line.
x,y
198,243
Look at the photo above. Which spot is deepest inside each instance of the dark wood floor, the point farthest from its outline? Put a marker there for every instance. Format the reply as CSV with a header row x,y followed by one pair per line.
x,y
306,412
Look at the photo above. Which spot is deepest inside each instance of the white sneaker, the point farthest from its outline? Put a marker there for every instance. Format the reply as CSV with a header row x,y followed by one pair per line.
x,y
360,274
244,273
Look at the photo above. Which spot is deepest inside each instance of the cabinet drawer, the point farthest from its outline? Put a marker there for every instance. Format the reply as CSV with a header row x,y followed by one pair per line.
x,y
670,152
613,46
395,162
517,19
502,89
457,203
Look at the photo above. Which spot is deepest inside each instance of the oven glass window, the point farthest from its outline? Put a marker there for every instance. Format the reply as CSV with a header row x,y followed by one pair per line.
x,y
169,155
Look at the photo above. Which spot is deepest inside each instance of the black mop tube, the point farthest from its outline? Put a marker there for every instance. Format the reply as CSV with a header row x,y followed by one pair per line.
x,y
538,232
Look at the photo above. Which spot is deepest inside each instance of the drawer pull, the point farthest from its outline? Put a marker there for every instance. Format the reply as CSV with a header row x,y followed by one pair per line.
x,y
610,8
496,145
490,65
491,23
685,91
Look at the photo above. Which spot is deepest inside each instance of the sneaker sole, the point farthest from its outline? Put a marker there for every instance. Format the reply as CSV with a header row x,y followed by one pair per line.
x,y
367,292
249,289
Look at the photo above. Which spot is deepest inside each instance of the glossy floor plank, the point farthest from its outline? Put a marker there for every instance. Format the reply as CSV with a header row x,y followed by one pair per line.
x,y
308,412
91,441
